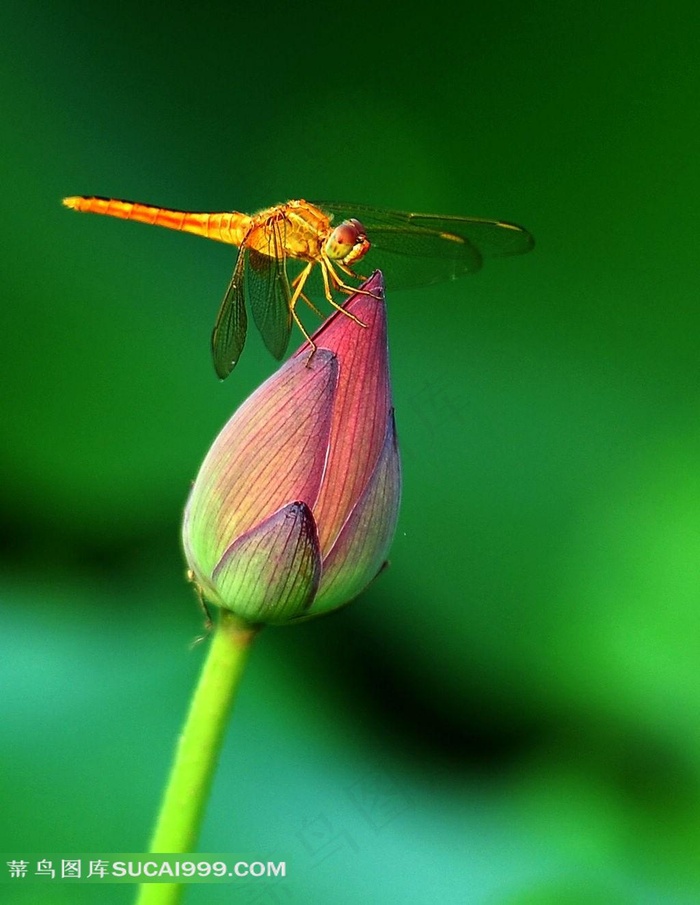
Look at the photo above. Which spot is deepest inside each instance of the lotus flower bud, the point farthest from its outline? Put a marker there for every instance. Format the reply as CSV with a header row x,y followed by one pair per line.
x,y
295,505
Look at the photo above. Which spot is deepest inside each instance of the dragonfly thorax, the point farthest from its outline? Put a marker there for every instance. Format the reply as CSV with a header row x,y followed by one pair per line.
x,y
347,243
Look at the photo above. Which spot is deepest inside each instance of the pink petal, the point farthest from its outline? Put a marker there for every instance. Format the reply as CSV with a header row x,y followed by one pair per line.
x,y
271,573
361,406
363,543
271,452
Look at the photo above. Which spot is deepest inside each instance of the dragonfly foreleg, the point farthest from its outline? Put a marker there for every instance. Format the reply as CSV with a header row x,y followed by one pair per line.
x,y
350,272
330,274
343,287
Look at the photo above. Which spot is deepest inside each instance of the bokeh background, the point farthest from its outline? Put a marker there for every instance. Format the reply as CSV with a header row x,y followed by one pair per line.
x,y
509,716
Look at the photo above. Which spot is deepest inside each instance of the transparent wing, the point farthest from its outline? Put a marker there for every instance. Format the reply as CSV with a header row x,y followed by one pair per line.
x,y
269,292
231,325
419,249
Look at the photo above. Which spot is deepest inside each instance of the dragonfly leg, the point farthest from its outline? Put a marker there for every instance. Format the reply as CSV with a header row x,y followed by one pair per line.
x,y
326,270
350,272
303,297
311,305
306,335
298,285
342,287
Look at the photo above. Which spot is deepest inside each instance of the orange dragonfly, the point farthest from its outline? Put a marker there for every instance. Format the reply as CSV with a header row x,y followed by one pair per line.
x,y
411,249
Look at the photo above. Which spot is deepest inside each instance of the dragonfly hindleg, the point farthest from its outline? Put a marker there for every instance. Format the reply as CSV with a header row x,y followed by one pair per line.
x,y
298,285
304,297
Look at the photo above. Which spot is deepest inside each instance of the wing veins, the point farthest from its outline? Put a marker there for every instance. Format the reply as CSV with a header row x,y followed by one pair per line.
x,y
228,336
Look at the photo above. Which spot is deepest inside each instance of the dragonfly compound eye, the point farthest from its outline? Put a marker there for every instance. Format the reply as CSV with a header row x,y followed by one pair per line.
x,y
347,242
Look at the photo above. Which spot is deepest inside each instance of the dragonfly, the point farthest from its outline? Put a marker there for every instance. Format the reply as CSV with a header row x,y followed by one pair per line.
x,y
281,246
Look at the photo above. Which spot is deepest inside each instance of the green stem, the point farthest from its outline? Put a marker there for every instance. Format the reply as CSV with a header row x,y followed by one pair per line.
x,y
198,750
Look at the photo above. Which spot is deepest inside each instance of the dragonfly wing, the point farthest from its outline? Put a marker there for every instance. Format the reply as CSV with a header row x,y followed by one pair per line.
x,y
231,324
493,238
418,249
419,257
269,294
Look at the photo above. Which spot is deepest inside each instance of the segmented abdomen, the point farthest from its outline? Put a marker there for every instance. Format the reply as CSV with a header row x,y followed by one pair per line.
x,y
229,227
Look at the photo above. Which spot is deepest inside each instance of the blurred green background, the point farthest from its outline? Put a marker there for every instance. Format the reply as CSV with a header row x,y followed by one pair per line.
x,y
510,715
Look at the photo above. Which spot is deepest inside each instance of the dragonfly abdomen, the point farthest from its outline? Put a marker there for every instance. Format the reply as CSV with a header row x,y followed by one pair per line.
x,y
229,227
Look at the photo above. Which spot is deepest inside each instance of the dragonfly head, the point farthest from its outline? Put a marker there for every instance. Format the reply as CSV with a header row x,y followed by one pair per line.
x,y
347,243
